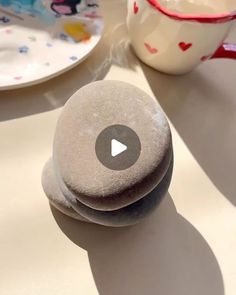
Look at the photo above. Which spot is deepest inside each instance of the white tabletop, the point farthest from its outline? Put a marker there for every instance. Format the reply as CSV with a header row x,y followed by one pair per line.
x,y
187,247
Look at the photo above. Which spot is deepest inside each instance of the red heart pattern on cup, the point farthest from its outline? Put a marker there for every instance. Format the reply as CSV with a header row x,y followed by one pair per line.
x,y
151,49
136,8
185,46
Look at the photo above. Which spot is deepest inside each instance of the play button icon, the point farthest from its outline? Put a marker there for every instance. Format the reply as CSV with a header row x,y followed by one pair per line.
x,y
118,147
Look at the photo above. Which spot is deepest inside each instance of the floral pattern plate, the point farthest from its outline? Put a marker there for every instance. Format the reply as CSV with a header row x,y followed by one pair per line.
x,y
33,51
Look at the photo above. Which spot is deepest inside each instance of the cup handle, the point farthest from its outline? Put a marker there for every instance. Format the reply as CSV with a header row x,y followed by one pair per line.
x,y
226,50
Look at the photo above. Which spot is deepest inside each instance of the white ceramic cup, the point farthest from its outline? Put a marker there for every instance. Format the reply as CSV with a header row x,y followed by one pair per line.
x,y
176,42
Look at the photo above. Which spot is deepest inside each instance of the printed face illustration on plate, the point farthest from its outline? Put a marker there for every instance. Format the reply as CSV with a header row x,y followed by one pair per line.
x,y
71,7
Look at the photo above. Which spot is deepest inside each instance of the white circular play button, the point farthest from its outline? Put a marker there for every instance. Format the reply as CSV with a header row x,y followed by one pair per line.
x,y
118,147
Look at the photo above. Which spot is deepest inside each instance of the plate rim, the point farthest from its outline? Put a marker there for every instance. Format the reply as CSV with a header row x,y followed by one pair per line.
x,y
36,81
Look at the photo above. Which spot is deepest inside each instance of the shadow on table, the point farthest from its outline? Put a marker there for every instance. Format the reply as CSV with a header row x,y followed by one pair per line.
x,y
162,255
204,114
113,49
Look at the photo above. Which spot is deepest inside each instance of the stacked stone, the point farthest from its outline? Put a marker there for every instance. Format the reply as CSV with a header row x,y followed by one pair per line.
x,y
79,185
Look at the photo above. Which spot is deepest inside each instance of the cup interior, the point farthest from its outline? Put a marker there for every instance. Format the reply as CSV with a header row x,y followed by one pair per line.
x,y
199,6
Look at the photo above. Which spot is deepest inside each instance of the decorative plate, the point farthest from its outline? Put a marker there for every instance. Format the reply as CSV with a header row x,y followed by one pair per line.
x,y
33,50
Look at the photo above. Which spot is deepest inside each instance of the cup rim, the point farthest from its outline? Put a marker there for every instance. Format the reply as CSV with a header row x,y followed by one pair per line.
x,y
202,18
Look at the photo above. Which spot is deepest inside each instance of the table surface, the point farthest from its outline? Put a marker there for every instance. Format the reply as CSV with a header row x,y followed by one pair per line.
x,y
187,247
